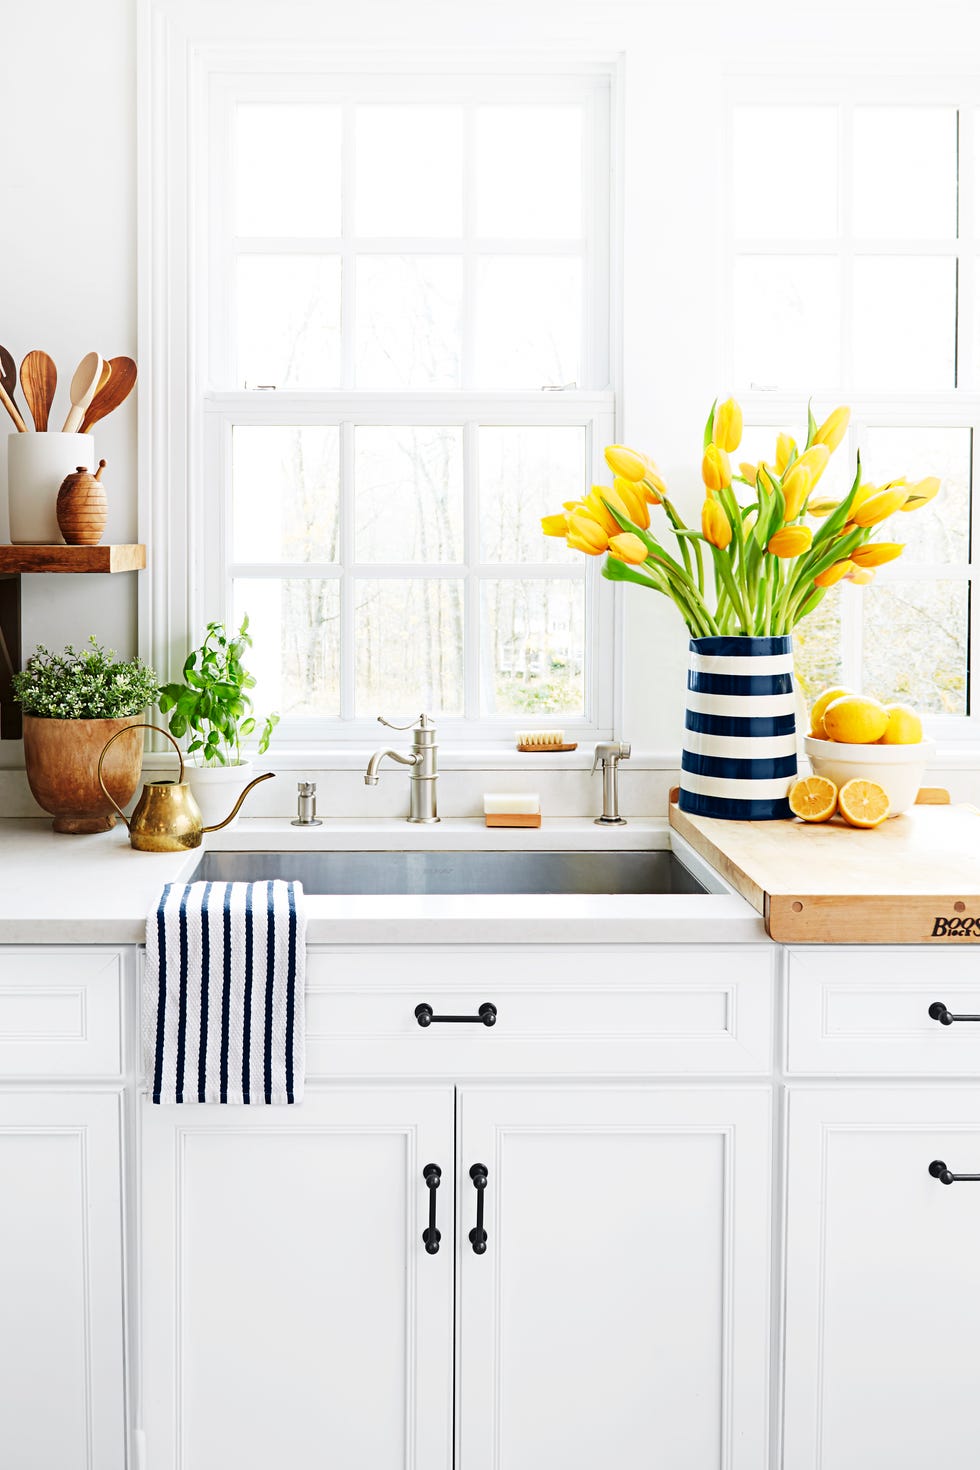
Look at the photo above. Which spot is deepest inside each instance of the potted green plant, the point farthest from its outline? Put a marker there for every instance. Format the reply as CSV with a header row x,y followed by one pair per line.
x,y
72,703
211,704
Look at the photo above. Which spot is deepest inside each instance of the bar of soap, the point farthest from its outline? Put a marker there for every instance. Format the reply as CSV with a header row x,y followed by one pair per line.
x,y
507,803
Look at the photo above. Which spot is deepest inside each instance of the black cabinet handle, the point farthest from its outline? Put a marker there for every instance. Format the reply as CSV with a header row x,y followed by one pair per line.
x,y
939,1013
939,1171
485,1016
478,1236
432,1175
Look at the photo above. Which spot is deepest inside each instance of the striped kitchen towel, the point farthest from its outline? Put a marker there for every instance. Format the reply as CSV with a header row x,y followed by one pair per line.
x,y
223,993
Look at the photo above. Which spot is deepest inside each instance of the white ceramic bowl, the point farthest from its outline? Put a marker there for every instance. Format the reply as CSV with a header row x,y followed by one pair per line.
x,y
898,768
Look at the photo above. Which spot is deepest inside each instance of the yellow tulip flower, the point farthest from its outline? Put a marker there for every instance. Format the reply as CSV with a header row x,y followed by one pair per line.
x,y
821,507
748,471
628,462
801,477
714,524
790,541
879,507
555,525
765,476
726,432
716,472
836,573
784,448
833,429
629,548
586,534
921,493
860,576
636,501
876,553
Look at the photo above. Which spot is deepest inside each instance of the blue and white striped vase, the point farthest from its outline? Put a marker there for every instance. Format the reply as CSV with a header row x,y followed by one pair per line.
x,y
739,754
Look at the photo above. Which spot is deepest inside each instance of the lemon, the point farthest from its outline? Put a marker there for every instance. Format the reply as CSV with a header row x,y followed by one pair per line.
x,y
813,799
819,707
855,720
904,726
863,803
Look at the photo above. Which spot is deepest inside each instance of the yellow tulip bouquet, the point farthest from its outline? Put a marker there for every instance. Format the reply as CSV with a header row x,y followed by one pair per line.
x,y
771,569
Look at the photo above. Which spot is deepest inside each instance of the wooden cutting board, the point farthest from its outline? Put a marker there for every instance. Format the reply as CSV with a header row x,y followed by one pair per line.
x,y
913,880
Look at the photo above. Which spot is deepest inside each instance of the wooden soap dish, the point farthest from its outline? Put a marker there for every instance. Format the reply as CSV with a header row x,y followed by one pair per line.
x,y
513,819
546,749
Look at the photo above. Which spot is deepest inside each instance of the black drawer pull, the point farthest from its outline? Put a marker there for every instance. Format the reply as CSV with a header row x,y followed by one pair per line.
x,y
432,1175
939,1171
478,1236
939,1013
485,1016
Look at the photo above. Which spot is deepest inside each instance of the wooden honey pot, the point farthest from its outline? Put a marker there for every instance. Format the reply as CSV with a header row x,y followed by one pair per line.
x,y
82,507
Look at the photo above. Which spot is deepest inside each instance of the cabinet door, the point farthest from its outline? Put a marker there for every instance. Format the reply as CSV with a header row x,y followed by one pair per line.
x,y
619,1315
291,1314
882,1280
61,1309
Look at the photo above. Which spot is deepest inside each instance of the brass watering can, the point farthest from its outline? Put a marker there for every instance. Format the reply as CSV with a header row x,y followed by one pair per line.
x,y
166,817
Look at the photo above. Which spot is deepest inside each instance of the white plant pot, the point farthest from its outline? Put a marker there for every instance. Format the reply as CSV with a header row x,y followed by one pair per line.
x,y
36,466
217,788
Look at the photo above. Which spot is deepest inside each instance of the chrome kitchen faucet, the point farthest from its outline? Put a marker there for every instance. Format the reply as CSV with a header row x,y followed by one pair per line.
x,y
424,773
609,753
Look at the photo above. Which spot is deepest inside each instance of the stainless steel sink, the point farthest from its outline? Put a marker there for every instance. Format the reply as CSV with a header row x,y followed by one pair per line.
x,y
458,872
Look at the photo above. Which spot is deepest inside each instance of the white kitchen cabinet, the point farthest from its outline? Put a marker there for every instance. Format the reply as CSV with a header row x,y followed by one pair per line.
x,y
620,1312
291,1314
61,1282
882,1279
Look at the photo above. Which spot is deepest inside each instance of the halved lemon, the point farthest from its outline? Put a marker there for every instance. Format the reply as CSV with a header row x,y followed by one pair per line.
x,y
813,799
863,803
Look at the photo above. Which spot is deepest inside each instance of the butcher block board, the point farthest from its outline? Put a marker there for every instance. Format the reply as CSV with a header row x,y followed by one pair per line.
x,y
913,880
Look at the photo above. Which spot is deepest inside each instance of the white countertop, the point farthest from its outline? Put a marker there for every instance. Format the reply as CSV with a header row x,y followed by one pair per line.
x,y
58,889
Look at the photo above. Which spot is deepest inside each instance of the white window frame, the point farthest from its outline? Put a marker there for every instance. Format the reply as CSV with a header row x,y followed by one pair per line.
x,y
957,407
186,93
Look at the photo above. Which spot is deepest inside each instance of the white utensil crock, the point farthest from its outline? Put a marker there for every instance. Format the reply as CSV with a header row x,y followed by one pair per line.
x,y
36,466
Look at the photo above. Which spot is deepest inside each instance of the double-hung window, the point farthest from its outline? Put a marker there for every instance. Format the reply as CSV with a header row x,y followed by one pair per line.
x,y
406,342
852,266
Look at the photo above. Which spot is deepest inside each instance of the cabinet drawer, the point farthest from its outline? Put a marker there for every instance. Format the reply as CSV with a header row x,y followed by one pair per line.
x,y
587,1010
60,1011
854,1011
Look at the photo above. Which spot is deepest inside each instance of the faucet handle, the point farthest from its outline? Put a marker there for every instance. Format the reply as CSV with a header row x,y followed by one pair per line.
x,y
611,751
423,722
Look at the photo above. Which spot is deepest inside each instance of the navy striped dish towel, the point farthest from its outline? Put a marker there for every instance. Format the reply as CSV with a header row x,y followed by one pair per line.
x,y
223,993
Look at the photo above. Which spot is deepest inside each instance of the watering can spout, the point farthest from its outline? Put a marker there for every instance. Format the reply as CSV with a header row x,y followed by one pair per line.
x,y
268,775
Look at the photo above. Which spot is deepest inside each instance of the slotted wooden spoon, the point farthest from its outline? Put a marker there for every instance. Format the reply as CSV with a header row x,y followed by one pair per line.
x,y
39,379
111,392
8,387
84,385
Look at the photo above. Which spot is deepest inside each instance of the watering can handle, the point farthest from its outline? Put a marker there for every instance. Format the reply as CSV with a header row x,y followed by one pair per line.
x,y
105,750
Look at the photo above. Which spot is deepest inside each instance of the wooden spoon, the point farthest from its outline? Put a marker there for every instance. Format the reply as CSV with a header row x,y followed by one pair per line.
x,y
8,387
39,378
111,393
84,385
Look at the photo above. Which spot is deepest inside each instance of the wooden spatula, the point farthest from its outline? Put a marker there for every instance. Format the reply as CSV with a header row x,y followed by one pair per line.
x,y
111,393
8,387
39,379
84,385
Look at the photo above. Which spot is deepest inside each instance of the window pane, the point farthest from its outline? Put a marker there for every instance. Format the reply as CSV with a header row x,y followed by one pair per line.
x,y
940,531
817,647
285,493
787,315
295,625
771,145
904,322
409,636
287,169
905,173
528,322
529,172
533,647
289,321
408,321
409,170
915,644
524,475
408,494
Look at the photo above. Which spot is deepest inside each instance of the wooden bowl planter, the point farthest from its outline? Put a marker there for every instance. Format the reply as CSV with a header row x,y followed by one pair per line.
x,y
62,758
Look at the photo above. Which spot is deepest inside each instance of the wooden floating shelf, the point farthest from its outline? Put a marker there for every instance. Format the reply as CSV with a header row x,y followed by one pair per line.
x,y
15,560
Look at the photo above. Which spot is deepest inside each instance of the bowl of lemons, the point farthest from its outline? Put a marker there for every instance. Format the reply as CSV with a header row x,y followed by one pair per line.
x,y
854,737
